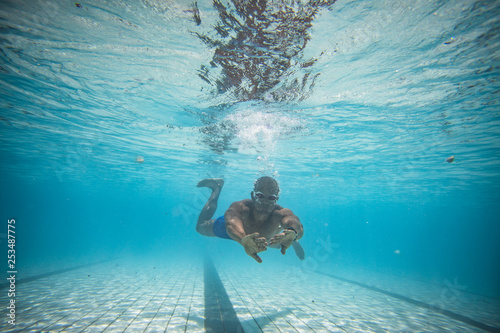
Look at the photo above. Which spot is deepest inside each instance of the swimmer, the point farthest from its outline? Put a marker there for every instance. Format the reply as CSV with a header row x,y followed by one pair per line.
x,y
254,223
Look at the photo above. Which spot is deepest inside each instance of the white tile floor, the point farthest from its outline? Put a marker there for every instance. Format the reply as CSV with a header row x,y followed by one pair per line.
x,y
278,303
113,297
122,296
446,293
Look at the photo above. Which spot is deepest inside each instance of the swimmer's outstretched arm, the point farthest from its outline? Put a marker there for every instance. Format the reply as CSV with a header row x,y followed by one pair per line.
x,y
234,225
288,236
252,243
292,221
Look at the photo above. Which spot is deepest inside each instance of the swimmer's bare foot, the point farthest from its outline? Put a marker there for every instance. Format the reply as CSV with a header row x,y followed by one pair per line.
x,y
212,183
299,250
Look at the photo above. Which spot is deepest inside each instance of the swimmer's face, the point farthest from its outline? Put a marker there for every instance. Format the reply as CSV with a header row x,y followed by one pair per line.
x,y
265,196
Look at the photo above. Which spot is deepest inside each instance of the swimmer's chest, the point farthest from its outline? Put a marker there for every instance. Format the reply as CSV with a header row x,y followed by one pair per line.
x,y
267,228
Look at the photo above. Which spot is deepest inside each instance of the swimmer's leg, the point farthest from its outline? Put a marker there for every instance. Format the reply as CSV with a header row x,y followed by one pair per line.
x,y
205,225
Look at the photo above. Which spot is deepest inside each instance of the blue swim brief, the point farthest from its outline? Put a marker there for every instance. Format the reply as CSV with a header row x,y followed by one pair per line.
x,y
220,228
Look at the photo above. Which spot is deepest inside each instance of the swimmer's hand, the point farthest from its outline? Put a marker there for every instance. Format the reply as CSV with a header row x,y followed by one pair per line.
x,y
285,239
254,244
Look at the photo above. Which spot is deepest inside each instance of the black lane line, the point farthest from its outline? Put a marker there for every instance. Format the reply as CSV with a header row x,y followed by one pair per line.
x,y
219,311
44,275
424,305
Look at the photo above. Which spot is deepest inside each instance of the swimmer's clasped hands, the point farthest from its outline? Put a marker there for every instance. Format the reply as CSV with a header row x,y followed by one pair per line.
x,y
285,239
254,244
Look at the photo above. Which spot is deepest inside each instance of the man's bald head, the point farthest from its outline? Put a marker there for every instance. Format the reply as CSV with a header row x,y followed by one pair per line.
x,y
267,182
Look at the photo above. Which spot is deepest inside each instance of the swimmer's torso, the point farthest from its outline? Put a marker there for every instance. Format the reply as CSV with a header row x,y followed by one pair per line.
x,y
267,228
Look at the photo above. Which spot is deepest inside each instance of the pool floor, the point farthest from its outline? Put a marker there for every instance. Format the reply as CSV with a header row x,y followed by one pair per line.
x,y
205,296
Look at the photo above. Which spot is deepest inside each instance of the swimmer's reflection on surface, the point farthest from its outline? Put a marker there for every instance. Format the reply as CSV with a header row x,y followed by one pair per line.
x,y
256,45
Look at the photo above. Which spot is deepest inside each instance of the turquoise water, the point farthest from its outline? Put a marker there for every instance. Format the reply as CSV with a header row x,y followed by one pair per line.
x,y
107,126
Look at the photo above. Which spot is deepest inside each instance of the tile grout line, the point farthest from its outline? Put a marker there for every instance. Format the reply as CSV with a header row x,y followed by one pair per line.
x,y
57,272
299,319
261,310
36,322
131,293
175,307
308,306
192,298
321,315
164,299
157,282
243,301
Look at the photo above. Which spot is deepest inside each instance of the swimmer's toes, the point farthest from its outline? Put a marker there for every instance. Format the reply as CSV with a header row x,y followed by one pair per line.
x,y
212,183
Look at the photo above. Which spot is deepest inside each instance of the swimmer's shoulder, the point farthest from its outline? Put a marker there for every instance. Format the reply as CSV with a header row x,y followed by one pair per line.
x,y
242,206
282,212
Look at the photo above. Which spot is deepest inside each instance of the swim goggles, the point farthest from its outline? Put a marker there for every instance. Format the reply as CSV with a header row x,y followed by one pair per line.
x,y
261,195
